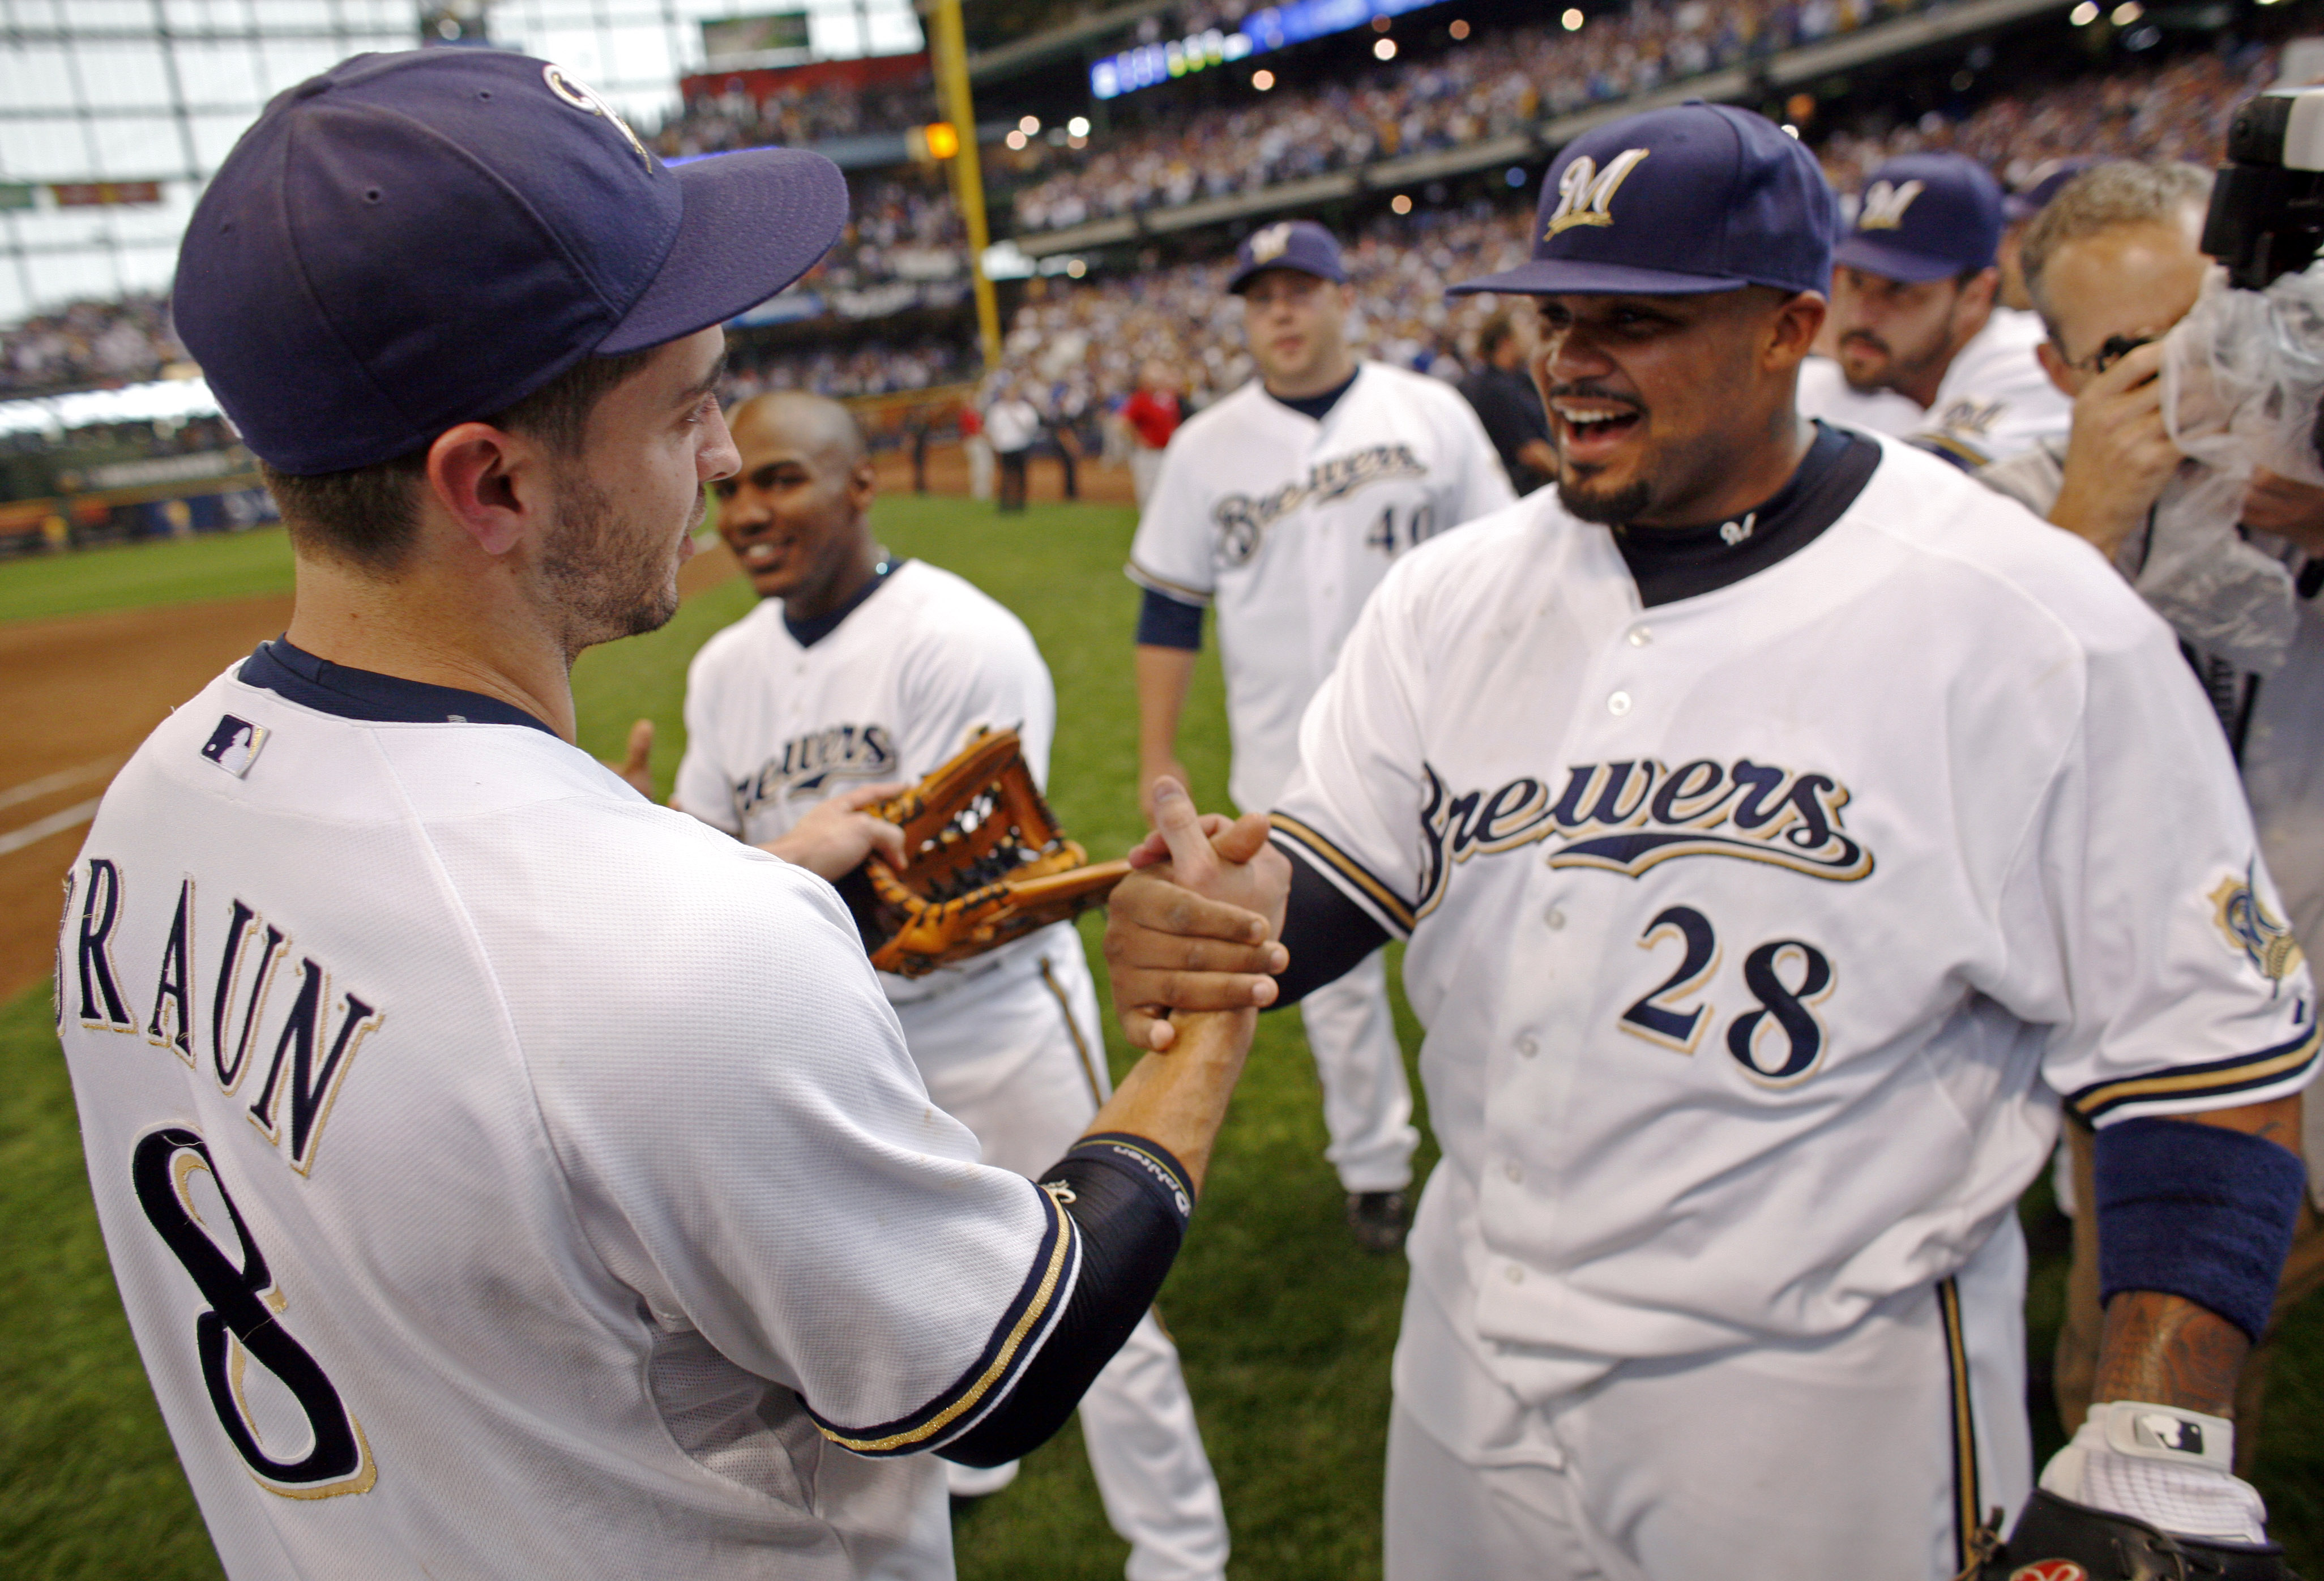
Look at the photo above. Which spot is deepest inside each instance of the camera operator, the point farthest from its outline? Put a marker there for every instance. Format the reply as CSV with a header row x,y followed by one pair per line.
x,y
2111,263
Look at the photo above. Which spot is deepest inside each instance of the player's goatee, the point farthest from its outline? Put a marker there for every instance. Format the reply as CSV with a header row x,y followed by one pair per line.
x,y
1608,507
611,578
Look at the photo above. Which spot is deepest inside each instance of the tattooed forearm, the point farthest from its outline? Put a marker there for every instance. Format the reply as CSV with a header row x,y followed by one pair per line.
x,y
2167,1349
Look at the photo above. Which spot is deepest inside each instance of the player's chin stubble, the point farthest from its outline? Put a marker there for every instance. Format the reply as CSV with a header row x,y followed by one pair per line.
x,y
1609,507
607,579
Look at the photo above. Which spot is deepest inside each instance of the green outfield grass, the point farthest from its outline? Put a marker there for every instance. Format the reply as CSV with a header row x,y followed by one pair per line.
x,y
1284,1327
136,575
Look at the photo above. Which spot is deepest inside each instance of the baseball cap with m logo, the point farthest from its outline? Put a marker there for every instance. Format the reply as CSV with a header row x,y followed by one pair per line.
x,y
1677,202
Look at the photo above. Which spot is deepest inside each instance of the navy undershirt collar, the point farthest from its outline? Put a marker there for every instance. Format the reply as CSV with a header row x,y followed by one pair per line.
x,y
807,633
364,694
1672,563
1316,406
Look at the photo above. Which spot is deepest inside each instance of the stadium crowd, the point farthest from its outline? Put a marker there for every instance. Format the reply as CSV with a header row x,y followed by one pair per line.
x,y
1495,83
877,367
2174,110
715,123
1078,347
88,343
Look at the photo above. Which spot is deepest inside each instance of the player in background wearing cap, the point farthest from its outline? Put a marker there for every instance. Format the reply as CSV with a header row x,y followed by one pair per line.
x,y
1284,503
1784,829
505,1177
2019,211
1913,315
2115,260
859,670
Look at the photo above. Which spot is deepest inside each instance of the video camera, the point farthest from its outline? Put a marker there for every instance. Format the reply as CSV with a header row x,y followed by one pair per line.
x,y
2267,204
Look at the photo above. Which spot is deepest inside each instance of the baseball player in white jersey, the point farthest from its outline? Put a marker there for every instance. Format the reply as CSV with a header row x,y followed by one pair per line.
x,y
1284,505
1923,350
1783,827
505,1177
859,670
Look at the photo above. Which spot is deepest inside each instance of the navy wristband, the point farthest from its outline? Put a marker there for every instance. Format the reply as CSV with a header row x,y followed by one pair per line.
x,y
2197,1211
1164,622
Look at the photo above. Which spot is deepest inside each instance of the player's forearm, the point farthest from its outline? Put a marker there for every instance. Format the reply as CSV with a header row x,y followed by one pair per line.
x,y
1164,678
1179,1099
2166,1348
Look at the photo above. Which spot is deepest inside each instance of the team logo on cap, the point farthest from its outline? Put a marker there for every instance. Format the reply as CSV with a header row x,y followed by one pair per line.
x,y
2251,929
2050,1570
1885,203
1585,194
1271,243
582,96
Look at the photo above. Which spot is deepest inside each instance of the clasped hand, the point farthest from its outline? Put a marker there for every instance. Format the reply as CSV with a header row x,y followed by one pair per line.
x,y
1195,927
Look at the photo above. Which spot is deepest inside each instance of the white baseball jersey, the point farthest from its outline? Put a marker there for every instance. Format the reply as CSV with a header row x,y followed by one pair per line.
x,y
890,693
1756,934
506,1177
1993,402
1289,523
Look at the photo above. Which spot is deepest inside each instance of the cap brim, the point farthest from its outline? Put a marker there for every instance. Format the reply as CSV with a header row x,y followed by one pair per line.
x,y
1242,277
754,222
1559,277
1892,262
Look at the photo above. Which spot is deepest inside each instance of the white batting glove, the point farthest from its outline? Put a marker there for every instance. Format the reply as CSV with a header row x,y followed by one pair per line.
x,y
2173,1469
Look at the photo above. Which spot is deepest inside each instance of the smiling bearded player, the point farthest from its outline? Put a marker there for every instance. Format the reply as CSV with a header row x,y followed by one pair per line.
x,y
1783,829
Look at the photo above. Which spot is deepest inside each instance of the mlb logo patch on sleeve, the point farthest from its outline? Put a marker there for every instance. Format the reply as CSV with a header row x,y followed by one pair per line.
x,y
234,744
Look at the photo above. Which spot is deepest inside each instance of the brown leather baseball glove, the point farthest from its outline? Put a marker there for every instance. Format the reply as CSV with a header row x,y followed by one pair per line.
x,y
984,863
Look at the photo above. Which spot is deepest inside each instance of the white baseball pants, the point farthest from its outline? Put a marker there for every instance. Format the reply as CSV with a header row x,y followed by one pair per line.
x,y
1860,1455
1366,1101
1016,1056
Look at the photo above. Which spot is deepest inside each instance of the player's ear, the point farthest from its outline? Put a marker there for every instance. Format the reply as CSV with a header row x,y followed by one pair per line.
x,y
862,484
2053,362
1791,329
485,480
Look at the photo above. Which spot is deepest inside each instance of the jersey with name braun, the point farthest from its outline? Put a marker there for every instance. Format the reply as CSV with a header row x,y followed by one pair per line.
x,y
1288,523
901,684
505,1177
1757,934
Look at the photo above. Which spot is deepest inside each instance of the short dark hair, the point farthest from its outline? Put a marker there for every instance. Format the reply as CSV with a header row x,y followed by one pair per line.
x,y
368,517
1497,328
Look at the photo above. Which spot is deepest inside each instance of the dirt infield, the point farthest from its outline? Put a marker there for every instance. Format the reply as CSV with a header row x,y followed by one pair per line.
x,y
79,695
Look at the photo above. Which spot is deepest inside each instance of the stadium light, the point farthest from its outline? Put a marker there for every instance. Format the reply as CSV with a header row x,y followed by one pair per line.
x,y
1381,24
2128,12
1400,204
1075,268
1262,79
1573,19
2084,15
1016,141
1515,177
1384,51
941,139
1030,125
1078,126
1459,29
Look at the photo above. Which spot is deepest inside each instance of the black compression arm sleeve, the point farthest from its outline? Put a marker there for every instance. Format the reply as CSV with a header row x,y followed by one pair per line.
x,y
1129,1200
1164,622
1327,934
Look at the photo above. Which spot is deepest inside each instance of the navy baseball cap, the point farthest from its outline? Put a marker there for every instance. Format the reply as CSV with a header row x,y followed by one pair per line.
x,y
1676,202
2035,197
410,241
1923,217
1290,243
